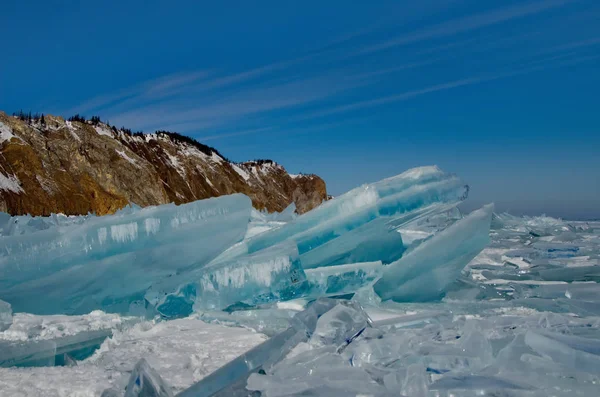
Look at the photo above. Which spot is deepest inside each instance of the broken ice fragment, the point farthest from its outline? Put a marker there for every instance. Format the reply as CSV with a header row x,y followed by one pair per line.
x,y
28,354
263,356
342,279
108,262
572,352
44,352
267,353
5,315
272,274
146,382
425,273
370,242
415,382
410,191
340,325
483,385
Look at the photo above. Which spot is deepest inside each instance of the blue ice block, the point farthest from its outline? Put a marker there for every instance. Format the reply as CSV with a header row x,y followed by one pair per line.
x,y
425,273
108,262
268,275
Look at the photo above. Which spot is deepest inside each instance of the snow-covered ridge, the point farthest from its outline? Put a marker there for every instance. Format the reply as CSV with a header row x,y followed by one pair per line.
x,y
146,169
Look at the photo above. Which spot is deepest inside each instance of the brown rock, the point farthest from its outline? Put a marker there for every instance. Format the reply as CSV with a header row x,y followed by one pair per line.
x,y
80,167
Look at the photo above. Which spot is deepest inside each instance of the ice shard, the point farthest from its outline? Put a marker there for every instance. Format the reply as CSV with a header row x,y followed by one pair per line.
x,y
393,197
146,382
374,241
5,315
340,325
572,352
230,379
343,279
425,273
45,352
108,262
269,275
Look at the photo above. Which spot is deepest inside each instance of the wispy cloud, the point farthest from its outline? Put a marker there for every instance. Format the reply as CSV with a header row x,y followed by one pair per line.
x,y
202,102
155,88
442,87
571,46
465,24
224,109
393,98
190,112
235,133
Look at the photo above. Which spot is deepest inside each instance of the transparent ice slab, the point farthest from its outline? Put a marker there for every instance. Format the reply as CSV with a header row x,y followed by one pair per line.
x,y
108,262
425,273
44,352
269,275
338,280
374,241
393,197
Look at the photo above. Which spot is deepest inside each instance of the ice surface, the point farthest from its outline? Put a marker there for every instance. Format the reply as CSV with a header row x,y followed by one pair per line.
x,y
181,351
108,262
263,357
5,315
146,382
521,319
425,273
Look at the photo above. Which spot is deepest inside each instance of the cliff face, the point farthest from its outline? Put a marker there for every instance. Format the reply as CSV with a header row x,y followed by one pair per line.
x,y
80,167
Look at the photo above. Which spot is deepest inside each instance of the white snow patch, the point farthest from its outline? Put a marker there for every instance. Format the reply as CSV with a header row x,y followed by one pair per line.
x,y
241,172
216,158
191,151
255,172
176,164
182,351
296,305
5,133
10,183
125,156
27,326
72,129
103,130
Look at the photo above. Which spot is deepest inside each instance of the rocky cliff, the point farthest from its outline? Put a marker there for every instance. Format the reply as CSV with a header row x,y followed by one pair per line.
x,y
76,167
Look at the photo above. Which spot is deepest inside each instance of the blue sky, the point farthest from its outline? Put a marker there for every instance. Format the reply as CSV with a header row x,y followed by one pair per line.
x,y
503,93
